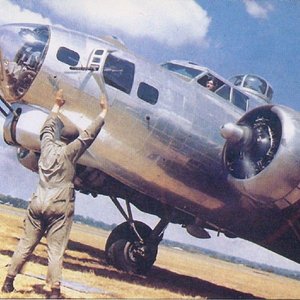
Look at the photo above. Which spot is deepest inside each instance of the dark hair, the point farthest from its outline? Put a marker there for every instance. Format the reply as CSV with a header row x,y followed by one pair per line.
x,y
213,79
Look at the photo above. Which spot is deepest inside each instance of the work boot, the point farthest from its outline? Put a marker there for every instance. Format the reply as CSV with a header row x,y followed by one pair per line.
x,y
55,293
8,285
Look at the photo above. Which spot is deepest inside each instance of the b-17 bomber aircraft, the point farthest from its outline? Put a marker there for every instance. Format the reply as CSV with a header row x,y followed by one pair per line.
x,y
222,158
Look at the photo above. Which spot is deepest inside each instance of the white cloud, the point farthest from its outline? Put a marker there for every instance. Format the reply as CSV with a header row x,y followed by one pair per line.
x,y
172,22
258,10
12,13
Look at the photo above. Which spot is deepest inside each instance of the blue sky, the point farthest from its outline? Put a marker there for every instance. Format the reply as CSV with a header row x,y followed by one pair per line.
x,y
264,41
230,36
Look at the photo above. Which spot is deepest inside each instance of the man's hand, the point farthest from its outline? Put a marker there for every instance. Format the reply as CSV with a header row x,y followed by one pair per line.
x,y
103,105
103,102
59,101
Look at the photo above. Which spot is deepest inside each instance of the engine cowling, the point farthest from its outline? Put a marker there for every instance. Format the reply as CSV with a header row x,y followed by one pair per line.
x,y
262,155
24,130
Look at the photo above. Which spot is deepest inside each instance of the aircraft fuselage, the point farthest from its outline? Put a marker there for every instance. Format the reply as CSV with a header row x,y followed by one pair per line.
x,y
162,132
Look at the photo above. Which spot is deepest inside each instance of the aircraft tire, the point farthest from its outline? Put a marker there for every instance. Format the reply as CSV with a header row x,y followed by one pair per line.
x,y
125,258
120,245
124,231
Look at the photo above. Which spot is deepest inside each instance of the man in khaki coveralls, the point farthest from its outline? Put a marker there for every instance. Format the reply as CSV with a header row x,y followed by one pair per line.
x,y
51,209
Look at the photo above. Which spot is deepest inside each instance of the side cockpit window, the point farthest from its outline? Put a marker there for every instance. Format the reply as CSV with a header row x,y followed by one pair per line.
x,y
224,92
239,99
119,73
210,82
68,56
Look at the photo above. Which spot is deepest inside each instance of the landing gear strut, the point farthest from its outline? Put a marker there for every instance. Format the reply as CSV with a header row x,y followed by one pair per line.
x,y
132,246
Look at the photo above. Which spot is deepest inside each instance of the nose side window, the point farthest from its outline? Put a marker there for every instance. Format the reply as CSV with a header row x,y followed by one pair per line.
x,y
68,56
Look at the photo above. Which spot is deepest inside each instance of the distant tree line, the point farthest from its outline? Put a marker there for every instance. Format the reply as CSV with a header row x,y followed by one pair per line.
x,y
20,203
232,259
94,223
12,201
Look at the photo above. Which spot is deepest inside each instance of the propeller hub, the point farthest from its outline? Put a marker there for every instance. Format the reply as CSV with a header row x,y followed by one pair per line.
x,y
234,133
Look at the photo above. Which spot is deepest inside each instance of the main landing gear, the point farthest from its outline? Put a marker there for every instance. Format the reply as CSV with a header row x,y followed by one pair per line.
x,y
132,246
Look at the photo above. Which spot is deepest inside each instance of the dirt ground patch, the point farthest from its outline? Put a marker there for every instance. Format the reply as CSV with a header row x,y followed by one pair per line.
x,y
176,274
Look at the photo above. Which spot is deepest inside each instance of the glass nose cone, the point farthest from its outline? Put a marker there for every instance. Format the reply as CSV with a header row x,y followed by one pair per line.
x,y
22,51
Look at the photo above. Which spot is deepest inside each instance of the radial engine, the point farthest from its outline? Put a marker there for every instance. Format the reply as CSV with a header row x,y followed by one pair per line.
x,y
262,155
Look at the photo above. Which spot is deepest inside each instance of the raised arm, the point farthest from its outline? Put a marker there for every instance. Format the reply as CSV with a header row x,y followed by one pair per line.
x,y
103,106
48,132
103,98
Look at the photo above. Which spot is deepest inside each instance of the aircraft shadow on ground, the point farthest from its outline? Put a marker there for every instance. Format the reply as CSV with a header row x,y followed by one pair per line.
x,y
159,278
156,278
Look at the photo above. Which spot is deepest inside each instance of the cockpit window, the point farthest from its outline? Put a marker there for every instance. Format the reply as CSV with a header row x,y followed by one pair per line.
x,y
182,70
210,82
224,92
68,56
270,93
222,89
234,96
119,73
239,99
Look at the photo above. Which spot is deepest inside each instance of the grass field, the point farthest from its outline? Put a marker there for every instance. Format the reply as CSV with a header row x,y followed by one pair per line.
x,y
176,274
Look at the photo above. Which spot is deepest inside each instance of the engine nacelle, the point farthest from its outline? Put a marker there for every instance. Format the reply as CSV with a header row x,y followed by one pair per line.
x,y
28,159
24,130
265,164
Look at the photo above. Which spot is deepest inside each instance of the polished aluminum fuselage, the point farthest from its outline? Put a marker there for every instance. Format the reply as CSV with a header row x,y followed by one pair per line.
x,y
171,151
